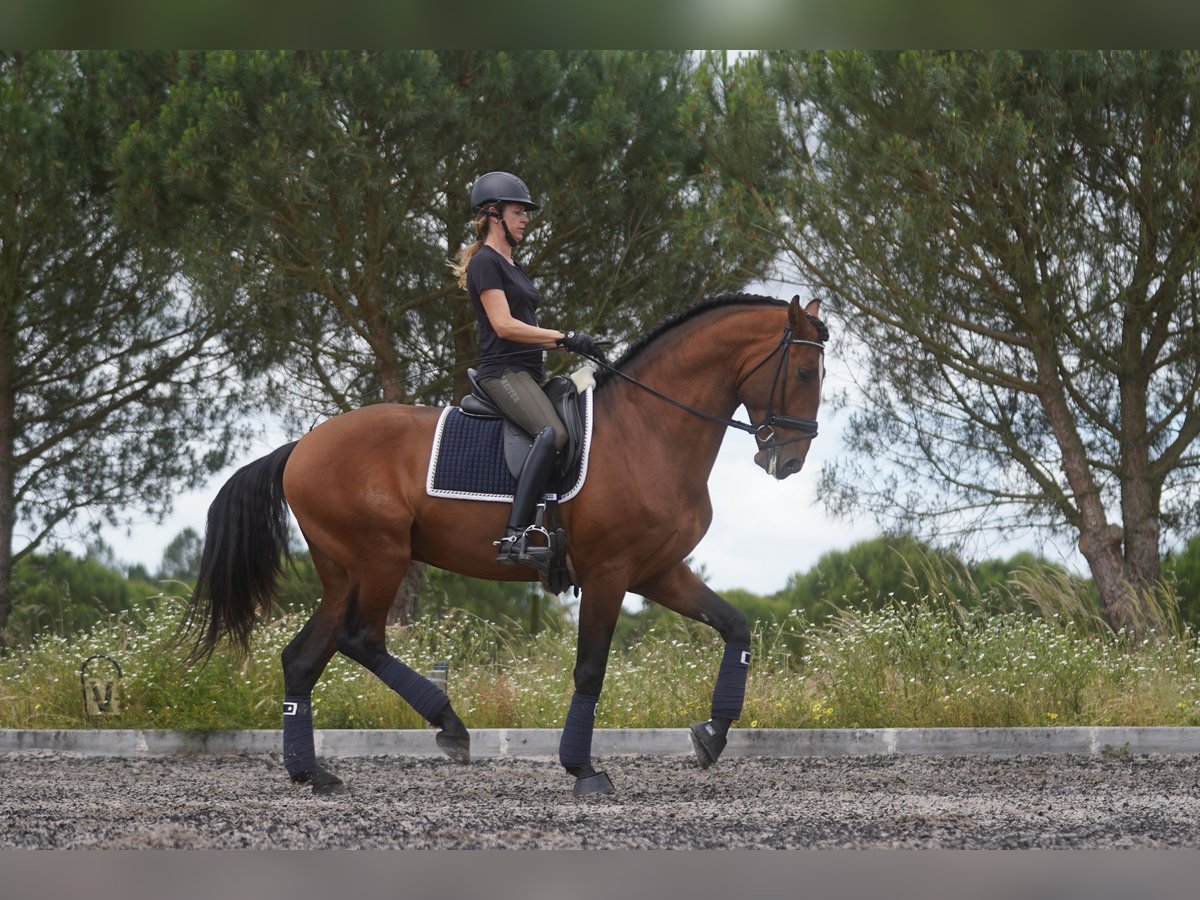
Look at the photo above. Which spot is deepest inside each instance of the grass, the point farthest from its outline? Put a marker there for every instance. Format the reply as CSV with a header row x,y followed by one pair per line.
x,y
928,661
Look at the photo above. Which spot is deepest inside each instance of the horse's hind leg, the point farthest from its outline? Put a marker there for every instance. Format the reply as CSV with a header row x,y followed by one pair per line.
x,y
361,637
680,590
304,659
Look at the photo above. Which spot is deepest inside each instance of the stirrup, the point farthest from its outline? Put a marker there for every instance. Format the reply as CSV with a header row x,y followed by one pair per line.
x,y
514,549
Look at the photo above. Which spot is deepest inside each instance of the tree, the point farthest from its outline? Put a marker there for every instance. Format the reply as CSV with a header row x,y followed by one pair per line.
x,y
869,572
336,184
113,385
60,593
874,571
1013,240
181,558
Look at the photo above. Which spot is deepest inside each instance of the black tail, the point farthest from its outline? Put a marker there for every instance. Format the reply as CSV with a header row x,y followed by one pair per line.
x,y
245,543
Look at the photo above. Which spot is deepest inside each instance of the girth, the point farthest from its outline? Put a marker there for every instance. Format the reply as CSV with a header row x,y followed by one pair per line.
x,y
563,396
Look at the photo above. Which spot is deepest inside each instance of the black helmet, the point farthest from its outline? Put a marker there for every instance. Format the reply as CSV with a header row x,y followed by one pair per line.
x,y
498,187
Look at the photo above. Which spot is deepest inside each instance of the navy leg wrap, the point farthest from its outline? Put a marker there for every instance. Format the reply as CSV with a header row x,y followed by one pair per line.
x,y
730,691
575,749
298,753
421,694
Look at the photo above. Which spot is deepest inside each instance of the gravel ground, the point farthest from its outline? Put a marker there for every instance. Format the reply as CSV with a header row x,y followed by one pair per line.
x,y
62,800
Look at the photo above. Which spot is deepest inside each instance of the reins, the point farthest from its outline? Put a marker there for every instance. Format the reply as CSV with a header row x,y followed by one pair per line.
x,y
728,423
764,432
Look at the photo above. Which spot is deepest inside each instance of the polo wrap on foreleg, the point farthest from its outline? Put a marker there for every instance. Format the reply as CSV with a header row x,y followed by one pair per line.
x,y
575,749
730,691
298,752
418,691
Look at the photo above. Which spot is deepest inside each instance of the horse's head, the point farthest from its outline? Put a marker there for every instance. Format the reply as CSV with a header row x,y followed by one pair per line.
x,y
782,390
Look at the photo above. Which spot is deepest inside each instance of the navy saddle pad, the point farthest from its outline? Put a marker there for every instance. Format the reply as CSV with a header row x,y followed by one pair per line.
x,y
467,462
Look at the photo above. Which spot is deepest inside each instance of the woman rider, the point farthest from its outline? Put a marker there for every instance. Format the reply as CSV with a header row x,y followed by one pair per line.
x,y
512,346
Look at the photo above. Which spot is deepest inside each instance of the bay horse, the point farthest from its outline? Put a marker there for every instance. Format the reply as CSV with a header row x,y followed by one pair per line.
x,y
356,484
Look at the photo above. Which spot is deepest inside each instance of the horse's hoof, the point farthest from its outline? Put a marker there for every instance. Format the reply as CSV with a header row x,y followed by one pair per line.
x,y
455,746
596,783
322,780
708,742
334,785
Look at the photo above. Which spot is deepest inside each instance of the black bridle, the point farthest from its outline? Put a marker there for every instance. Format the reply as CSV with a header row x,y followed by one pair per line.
x,y
764,431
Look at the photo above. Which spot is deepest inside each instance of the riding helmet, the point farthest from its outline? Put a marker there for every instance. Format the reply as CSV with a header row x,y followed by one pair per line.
x,y
498,187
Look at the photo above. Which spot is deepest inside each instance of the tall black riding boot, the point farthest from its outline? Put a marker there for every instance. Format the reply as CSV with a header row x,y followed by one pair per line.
x,y
514,546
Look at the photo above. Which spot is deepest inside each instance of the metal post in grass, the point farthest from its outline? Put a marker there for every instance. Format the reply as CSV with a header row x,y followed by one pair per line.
x,y
441,675
101,696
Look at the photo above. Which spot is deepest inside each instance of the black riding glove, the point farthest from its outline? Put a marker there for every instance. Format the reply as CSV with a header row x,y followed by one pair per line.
x,y
581,342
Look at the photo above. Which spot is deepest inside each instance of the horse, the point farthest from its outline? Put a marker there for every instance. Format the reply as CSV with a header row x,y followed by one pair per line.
x,y
356,486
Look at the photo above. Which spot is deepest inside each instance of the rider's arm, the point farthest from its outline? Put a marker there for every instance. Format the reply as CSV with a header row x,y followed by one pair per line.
x,y
495,304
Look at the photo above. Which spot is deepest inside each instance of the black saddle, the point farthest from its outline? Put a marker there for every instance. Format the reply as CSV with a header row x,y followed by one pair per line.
x,y
563,396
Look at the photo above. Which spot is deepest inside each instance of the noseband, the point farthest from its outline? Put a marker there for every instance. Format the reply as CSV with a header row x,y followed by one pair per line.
x,y
765,430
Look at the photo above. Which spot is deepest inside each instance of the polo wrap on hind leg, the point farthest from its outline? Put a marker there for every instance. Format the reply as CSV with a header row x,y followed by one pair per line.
x,y
730,691
418,691
299,755
575,749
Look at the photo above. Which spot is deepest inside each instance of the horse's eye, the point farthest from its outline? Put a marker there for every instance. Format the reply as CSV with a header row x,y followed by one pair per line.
x,y
804,375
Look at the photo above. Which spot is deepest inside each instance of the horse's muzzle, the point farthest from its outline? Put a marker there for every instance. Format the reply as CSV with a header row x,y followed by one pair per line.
x,y
779,469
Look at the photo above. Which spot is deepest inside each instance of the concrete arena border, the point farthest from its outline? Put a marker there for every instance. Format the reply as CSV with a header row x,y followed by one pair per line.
x,y
533,743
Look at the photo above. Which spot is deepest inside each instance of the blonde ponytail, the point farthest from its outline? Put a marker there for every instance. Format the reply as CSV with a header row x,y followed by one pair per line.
x,y
459,266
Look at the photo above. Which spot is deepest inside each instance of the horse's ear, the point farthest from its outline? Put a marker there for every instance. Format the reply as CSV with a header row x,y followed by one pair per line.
x,y
794,316
799,319
805,322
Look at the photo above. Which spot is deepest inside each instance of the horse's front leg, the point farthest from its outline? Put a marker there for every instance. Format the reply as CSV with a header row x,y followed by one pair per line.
x,y
598,611
680,590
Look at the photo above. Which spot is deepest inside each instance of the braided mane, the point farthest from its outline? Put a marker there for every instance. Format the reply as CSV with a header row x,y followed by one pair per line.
x,y
710,303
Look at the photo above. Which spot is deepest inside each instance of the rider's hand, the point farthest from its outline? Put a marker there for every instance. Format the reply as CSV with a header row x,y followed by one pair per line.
x,y
582,342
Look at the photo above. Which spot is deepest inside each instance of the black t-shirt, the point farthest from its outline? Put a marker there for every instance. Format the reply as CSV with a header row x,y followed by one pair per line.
x,y
488,270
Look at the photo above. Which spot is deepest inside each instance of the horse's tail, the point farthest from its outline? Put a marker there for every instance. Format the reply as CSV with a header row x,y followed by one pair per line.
x,y
245,543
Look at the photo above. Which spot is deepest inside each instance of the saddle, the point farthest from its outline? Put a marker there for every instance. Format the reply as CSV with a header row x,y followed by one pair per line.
x,y
563,394
564,397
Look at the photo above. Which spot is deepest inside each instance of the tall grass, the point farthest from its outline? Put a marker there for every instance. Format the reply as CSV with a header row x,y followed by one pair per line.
x,y
928,658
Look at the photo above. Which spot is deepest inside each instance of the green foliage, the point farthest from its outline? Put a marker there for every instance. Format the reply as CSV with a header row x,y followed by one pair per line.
x,y
936,664
181,558
1182,570
519,603
299,586
59,593
773,608
871,573
1012,236
113,392
920,660
329,191
990,576
867,572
